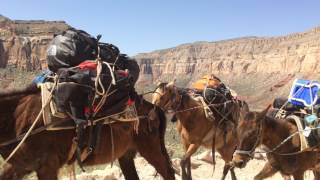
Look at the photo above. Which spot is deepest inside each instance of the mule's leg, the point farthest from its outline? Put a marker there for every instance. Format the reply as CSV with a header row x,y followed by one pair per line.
x,y
298,175
316,175
9,172
226,153
191,150
266,171
286,177
47,173
150,149
226,169
127,166
72,171
233,174
189,168
49,169
183,165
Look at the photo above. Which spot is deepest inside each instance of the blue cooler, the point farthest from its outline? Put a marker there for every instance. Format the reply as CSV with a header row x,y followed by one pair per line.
x,y
304,93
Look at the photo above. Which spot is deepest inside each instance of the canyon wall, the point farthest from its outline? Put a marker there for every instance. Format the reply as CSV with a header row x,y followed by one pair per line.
x,y
23,44
257,67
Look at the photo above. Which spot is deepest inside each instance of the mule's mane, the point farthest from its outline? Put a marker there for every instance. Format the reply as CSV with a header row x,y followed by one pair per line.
x,y
162,85
30,89
216,78
275,122
183,91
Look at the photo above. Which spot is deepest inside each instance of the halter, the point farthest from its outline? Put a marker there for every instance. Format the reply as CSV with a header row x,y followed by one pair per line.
x,y
251,152
171,103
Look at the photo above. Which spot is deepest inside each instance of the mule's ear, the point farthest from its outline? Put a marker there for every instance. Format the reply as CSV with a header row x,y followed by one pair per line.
x,y
158,83
172,83
249,116
174,80
263,113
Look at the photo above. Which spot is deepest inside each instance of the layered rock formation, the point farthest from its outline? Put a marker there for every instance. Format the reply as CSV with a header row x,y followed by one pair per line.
x,y
23,44
251,65
259,68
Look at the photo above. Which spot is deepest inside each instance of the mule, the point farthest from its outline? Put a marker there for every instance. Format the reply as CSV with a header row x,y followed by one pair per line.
x,y
46,152
256,128
196,129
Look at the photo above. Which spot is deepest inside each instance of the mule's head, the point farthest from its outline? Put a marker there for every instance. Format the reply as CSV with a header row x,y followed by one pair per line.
x,y
249,135
166,96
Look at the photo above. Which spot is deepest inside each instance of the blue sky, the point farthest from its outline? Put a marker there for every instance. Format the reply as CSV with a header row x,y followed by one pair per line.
x,y
137,26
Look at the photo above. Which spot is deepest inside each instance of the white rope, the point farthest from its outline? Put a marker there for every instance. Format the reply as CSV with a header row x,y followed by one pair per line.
x,y
98,82
111,73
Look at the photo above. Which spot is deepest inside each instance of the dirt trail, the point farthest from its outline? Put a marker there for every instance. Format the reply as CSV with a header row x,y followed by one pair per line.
x,y
202,170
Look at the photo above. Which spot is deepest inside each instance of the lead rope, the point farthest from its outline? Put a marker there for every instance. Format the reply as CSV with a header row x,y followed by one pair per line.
x,y
32,126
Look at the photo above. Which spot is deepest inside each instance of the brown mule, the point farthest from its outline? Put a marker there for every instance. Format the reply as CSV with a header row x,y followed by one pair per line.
x,y
46,152
196,129
256,128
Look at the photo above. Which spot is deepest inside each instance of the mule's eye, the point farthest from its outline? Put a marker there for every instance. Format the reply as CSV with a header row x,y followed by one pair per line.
x,y
249,116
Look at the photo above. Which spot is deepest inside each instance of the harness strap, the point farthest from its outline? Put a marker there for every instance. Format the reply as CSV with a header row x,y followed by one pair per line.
x,y
250,153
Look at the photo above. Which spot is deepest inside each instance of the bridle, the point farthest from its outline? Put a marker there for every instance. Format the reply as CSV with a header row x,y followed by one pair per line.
x,y
168,106
259,136
173,101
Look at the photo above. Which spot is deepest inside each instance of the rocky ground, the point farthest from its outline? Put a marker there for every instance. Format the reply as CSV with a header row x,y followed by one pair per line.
x,y
202,169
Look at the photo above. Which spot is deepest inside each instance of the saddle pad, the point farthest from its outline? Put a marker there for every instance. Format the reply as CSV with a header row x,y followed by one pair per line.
x,y
128,115
50,112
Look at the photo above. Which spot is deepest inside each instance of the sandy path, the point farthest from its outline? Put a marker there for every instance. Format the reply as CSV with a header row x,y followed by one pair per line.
x,y
201,171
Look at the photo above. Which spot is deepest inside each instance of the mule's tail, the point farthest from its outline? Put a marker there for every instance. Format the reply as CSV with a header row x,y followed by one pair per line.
x,y
162,131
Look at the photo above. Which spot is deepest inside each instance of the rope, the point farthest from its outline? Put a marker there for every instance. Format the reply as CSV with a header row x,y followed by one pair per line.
x,y
31,128
136,125
98,82
279,145
201,106
103,101
210,105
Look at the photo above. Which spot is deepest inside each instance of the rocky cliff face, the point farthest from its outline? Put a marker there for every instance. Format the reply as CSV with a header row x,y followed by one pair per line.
x,y
23,44
256,67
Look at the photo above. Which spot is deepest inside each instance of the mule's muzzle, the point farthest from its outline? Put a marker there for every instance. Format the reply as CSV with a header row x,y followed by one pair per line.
x,y
239,164
238,161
